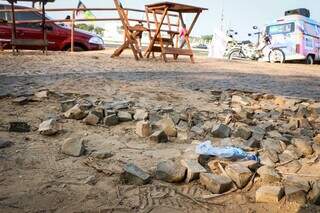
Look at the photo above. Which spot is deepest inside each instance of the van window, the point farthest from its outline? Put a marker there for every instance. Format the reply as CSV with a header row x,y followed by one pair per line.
x,y
28,16
280,29
311,29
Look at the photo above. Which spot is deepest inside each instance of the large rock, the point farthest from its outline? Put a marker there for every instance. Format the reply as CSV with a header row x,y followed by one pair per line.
x,y
170,171
168,126
42,94
75,113
143,129
295,195
269,158
133,175
221,131
243,131
159,137
49,127
314,194
269,194
111,120
19,127
140,115
73,147
21,100
124,116
317,139
240,174
215,183
275,145
303,146
250,164
297,182
269,174
193,169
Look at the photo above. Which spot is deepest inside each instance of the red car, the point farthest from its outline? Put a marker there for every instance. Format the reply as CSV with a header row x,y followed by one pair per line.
x,y
59,35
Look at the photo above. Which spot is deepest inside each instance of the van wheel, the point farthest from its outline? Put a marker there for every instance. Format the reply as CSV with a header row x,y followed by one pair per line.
x,y
310,59
277,56
76,49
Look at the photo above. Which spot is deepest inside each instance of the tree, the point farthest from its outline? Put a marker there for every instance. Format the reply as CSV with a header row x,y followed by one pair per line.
x,y
207,38
91,28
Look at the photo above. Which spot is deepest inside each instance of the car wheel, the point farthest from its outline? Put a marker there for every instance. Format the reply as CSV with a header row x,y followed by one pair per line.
x,y
76,49
236,54
276,56
310,60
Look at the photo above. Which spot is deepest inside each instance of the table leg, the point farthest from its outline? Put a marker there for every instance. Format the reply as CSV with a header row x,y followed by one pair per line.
x,y
149,49
191,28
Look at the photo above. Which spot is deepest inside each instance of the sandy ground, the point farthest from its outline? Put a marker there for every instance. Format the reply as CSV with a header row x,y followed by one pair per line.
x,y
36,177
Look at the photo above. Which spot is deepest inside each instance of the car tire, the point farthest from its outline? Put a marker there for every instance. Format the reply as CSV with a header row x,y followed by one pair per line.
x,y
76,49
310,60
277,56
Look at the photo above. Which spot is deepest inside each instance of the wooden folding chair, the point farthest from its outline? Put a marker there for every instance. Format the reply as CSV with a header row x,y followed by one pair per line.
x,y
131,34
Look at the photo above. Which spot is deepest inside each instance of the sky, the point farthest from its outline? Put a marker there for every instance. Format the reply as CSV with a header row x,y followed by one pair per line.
x,y
239,15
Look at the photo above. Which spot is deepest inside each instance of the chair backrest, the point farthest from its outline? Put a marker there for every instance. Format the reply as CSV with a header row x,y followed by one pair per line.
x,y
122,14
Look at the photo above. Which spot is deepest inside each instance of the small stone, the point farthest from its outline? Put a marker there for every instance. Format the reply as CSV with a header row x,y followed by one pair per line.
x,y
183,125
21,100
168,126
19,127
250,164
133,175
241,100
303,146
269,194
75,113
239,174
243,132
42,94
5,144
124,116
91,119
118,105
295,195
110,112
293,124
49,127
91,180
102,154
258,133
170,172
197,130
73,147
66,105
269,158
269,174
221,131
215,183
253,143
193,169
140,115
159,137
111,120
298,182
271,144
143,129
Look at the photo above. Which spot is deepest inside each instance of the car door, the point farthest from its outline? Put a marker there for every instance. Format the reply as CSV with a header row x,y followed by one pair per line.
x,y
5,28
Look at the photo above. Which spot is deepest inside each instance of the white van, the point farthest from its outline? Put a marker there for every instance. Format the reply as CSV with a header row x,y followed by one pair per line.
x,y
294,37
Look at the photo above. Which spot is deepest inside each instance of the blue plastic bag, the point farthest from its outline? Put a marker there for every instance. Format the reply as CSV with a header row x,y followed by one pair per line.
x,y
224,152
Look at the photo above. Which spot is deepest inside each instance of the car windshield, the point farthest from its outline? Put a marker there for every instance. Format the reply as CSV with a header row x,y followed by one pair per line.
x,y
280,29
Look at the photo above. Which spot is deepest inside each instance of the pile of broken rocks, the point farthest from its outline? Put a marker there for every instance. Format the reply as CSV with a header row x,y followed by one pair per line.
x,y
283,132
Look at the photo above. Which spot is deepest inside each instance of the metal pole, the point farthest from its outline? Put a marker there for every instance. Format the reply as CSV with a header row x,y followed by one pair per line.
x,y
72,30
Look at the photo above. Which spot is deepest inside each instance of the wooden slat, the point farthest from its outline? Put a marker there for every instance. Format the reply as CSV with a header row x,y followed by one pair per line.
x,y
166,41
178,51
156,49
29,42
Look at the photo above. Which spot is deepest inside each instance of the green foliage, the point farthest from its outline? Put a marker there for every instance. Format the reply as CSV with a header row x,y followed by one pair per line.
x,y
91,28
207,38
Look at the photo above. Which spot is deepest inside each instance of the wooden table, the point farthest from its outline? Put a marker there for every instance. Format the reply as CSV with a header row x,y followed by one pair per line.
x,y
163,9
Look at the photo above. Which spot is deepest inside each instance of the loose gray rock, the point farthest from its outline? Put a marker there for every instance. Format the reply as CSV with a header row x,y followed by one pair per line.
x,y
193,169
75,113
215,183
303,146
111,120
73,147
124,116
221,131
102,154
197,130
91,119
133,175
140,115
21,100
49,127
91,180
295,195
314,194
143,129
243,132
269,174
5,143
168,126
170,171
66,105
241,175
